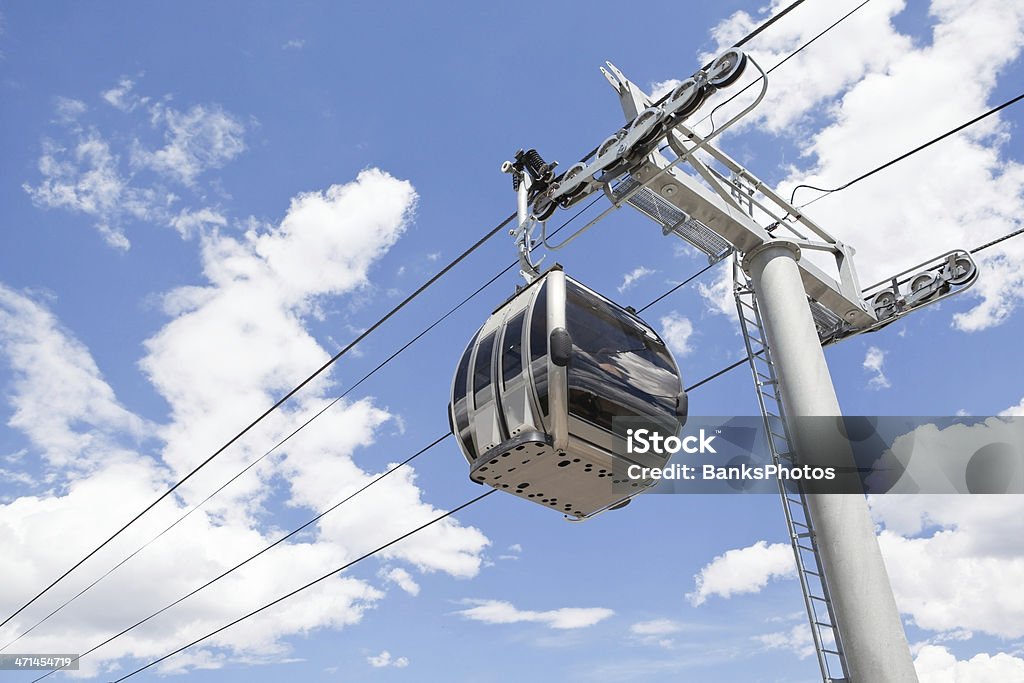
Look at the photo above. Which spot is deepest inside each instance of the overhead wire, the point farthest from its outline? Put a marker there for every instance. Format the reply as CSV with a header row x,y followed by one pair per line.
x,y
903,156
320,412
252,557
369,330
312,583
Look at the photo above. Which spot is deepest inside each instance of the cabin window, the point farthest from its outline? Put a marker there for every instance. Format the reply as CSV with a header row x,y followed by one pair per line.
x,y
619,366
539,347
482,368
512,349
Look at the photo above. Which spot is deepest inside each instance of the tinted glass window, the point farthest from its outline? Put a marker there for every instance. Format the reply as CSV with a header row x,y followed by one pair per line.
x,y
512,348
539,325
539,347
619,366
482,367
461,378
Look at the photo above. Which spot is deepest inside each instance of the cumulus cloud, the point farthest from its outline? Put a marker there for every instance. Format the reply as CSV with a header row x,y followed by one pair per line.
x,y
501,612
630,278
957,194
874,362
1014,411
718,296
384,660
936,664
677,330
935,549
59,397
743,570
402,579
232,345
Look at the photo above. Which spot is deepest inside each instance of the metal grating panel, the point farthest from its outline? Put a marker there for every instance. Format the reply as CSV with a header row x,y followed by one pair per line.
x,y
827,322
673,220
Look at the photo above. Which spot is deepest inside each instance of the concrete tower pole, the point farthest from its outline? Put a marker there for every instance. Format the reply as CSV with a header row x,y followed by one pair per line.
x,y
869,624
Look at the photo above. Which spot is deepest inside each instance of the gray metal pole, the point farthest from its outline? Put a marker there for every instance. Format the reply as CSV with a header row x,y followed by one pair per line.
x,y
873,639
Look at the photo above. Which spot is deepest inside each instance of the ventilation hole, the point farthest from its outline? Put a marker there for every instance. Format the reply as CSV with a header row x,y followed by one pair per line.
x,y
497,476
504,486
602,471
483,469
495,461
575,459
511,469
544,500
564,463
519,448
532,495
523,485
504,455
635,484
524,462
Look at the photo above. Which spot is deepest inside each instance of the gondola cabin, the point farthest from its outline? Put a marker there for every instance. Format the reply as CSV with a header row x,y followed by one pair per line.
x,y
537,388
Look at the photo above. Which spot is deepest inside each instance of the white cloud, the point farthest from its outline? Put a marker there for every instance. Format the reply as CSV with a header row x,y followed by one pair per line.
x,y
69,109
677,329
384,659
202,138
86,179
121,96
661,88
188,222
743,570
630,278
402,579
58,395
956,561
963,191
936,664
797,640
233,345
85,172
718,296
294,44
655,627
874,361
1014,411
501,612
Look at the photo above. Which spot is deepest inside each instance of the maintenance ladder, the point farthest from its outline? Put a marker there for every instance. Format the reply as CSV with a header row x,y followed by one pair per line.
x,y
813,584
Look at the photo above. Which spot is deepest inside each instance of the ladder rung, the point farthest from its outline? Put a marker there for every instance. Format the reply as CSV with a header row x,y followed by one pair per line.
x,y
803,547
794,502
803,525
818,598
824,625
832,652
808,571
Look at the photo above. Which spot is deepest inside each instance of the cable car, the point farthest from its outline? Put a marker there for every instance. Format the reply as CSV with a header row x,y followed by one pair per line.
x,y
535,393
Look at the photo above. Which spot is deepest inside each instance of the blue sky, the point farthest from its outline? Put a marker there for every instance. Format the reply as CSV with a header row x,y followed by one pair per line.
x,y
200,203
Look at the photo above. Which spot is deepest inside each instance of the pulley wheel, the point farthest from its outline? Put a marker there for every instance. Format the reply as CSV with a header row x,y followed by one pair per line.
x,y
727,68
646,124
963,270
685,99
